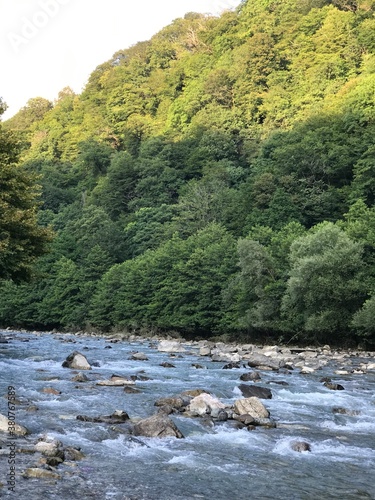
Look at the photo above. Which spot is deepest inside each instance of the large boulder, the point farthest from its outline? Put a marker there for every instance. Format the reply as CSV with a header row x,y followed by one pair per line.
x,y
248,391
157,426
9,426
170,346
251,406
204,404
76,361
261,361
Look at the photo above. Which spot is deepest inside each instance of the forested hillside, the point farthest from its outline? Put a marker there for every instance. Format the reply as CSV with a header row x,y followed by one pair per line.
x,y
218,178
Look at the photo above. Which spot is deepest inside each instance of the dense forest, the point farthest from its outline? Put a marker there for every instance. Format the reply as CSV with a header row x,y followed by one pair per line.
x,y
218,178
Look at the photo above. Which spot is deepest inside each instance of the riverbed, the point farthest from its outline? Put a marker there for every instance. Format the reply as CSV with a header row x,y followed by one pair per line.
x,y
214,460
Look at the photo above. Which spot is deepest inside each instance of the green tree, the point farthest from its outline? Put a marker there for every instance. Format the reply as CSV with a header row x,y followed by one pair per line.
x,y
325,287
21,239
63,305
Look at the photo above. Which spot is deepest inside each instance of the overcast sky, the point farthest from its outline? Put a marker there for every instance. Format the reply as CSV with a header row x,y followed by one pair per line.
x,y
47,45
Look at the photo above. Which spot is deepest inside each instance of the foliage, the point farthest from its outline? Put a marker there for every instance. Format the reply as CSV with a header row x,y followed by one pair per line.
x,y
325,287
217,177
21,239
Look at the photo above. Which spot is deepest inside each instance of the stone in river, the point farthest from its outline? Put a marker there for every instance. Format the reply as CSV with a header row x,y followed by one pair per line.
x,y
333,387
51,390
165,364
260,361
204,351
345,411
131,390
139,356
116,381
204,404
170,346
20,430
176,403
251,406
50,447
35,472
76,361
80,377
194,392
157,426
230,366
246,377
300,446
118,417
249,391
73,454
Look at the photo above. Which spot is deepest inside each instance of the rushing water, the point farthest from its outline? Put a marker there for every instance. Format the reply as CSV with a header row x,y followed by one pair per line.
x,y
212,462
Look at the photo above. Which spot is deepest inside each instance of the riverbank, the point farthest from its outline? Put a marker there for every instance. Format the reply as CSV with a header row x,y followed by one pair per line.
x,y
301,357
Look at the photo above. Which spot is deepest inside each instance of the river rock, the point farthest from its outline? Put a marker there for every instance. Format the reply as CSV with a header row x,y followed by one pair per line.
x,y
246,419
249,391
76,361
251,406
80,377
300,446
265,422
50,447
139,356
116,381
52,461
157,426
230,366
165,364
170,346
131,390
205,351
18,429
219,414
194,392
333,387
261,361
73,454
225,357
176,403
306,370
204,404
51,390
345,411
246,377
35,472
118,417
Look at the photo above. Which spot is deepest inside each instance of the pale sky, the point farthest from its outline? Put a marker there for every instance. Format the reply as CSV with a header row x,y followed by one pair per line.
x,y
47,45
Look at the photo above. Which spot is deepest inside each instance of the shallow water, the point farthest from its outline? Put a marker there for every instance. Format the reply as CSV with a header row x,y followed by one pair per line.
x,y
212,462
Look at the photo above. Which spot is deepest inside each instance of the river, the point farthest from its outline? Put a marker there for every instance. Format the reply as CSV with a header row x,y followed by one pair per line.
x,y
218,462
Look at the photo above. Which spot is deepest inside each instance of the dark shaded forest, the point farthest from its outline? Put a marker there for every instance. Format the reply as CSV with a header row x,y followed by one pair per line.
x,y
216,179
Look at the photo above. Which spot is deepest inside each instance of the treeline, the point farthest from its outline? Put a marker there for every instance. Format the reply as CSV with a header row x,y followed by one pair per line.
x,y
218,178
